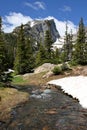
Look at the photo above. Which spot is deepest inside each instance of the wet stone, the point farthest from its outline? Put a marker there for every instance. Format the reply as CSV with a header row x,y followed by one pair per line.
x,y
39,94
47,110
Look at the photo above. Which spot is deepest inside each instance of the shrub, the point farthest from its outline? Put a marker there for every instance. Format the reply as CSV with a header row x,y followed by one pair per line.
x,y
65,67
2,85
57,70
73,63
5,79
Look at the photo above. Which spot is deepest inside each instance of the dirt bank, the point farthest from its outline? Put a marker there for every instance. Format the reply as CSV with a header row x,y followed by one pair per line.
x,y
9,98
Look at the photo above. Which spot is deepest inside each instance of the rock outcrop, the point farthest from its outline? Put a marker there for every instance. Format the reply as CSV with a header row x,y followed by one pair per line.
x,y
36,29
46,67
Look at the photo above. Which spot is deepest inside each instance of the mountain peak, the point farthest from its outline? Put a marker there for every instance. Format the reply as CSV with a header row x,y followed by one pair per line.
x,y
37,28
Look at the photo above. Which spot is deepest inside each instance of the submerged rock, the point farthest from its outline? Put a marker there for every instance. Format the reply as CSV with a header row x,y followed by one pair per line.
x,y
46,91
39,94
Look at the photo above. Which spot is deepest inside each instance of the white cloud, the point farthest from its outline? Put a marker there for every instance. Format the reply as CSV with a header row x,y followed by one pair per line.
x,y
40,4
13,20
36,5
16,19
61,26
66,8
31,5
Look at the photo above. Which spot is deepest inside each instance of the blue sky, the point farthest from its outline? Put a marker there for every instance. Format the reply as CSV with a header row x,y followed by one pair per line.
x,y
15,12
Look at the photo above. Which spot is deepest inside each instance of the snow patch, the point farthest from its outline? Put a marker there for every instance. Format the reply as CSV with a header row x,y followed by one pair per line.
x,y
75,86
58,43
32,23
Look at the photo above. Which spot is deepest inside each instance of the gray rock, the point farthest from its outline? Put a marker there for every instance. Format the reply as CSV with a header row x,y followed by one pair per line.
x,y
46,67
45,96
46,91
36,92
36,29
36,96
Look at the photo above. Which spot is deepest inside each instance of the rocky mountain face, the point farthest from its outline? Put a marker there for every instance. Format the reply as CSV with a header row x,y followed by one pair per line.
x,y
36,29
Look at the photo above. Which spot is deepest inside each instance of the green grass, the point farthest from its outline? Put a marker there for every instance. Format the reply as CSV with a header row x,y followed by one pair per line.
x,y
18,80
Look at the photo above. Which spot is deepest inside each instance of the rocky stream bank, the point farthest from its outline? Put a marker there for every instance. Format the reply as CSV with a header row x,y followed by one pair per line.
x,y
46,109
39,107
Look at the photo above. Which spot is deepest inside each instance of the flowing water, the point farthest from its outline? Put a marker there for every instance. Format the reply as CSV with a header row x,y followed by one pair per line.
x,y
46,110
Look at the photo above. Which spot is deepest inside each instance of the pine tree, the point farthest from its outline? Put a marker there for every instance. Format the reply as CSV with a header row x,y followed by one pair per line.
x,y
70,46
10,45
2,53
67,46
85,54
80,54
41,55
48,43
30,60
19,64
57,56
24,61
57,53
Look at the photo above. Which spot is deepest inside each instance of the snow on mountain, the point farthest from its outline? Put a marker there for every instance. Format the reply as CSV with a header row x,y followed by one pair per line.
x,y
61,26
36,29
32,23
59,43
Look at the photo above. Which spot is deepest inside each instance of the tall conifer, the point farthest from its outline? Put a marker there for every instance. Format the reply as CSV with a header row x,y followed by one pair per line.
x,y
41,55
19,64
48,43
3,62
29,57
67,45
80,54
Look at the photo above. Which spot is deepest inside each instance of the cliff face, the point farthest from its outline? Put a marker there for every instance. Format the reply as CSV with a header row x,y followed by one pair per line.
x,y
37,28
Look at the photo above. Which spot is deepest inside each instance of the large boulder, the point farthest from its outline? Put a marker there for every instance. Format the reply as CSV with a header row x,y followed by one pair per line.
x,y
44,68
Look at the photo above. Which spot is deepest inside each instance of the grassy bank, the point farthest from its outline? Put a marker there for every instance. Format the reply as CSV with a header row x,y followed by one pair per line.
x,y
18,80
34,79
41,79
9,98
